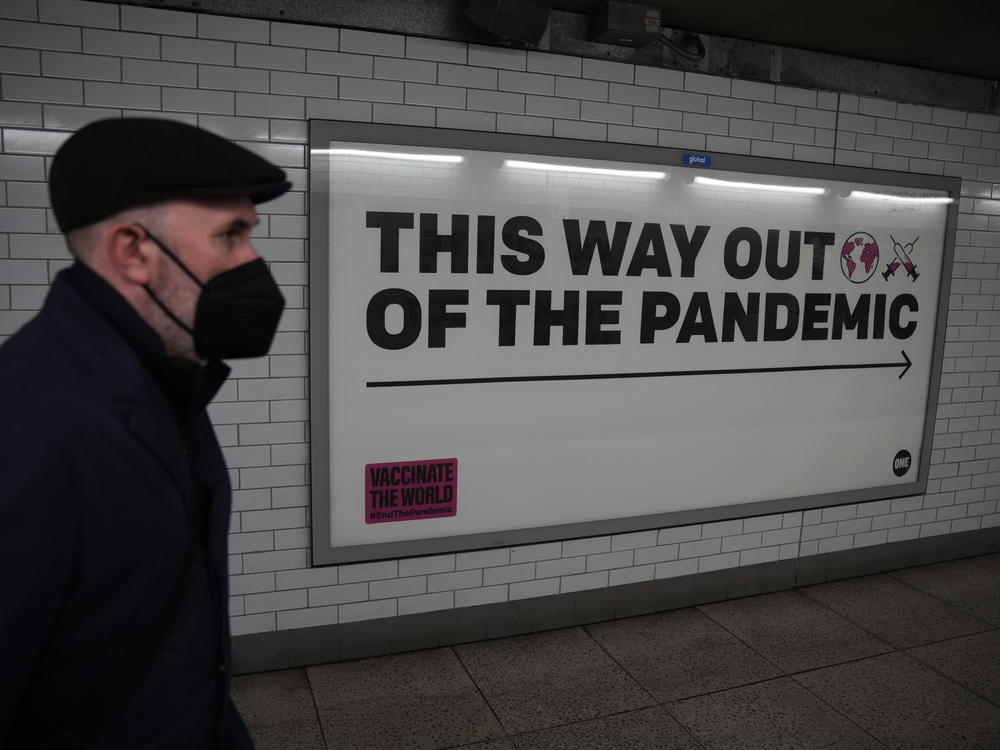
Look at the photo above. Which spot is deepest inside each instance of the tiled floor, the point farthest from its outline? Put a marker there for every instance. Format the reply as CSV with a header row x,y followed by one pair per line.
x,y
909,659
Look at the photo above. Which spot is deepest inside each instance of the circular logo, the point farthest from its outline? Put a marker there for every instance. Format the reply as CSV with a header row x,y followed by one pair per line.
x,y
859,257
901,463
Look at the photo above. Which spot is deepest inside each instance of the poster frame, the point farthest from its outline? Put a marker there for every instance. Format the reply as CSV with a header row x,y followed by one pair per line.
x,y
322,132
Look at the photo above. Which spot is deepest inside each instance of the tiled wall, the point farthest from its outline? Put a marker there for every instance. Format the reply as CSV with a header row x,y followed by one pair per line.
x,y
64,63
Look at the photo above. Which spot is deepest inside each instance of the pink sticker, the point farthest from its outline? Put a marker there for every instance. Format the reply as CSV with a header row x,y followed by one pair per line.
x,y
411,490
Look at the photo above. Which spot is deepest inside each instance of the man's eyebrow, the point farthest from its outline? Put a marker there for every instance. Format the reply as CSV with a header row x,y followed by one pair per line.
x,y
239,223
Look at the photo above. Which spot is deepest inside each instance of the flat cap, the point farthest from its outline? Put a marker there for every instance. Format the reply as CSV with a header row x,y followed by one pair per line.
x,y
111,165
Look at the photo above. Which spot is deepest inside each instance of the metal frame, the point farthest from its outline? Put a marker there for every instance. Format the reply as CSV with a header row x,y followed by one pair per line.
x,y
322,132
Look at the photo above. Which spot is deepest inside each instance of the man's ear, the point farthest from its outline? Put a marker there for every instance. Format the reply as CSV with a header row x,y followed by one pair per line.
x,y
130,252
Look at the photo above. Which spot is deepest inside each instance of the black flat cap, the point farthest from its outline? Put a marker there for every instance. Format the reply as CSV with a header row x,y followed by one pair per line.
x,y
111,165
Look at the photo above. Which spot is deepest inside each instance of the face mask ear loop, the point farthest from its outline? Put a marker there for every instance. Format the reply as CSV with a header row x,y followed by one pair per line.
x,y
170,255
175,259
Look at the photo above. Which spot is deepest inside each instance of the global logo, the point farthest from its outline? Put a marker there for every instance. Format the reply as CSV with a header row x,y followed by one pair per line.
x,y
859,257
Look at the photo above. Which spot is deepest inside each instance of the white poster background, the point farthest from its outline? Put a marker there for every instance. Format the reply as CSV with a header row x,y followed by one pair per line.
x,y
546,453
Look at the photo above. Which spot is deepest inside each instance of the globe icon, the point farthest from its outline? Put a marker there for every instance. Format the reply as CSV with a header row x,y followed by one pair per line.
x,y
859,257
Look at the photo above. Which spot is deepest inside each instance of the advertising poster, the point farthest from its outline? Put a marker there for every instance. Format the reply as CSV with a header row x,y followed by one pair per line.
x,y
517,345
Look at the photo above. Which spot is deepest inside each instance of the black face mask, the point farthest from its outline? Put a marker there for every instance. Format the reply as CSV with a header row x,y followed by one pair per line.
x,y
237,312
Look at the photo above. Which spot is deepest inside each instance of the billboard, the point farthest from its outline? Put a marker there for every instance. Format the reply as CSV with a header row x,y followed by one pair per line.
x,y
517,339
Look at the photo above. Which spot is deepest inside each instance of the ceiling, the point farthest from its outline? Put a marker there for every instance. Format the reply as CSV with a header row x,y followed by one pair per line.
x,y
956,36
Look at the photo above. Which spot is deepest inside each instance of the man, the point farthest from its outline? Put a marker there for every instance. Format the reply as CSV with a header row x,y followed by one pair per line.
x,y
114,497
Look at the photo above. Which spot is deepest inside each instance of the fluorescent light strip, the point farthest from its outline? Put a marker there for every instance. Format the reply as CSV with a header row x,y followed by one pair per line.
x,y
760,186
442,158
864,195
515,164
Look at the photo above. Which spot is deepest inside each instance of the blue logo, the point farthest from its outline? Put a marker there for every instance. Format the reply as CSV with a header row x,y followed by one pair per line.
x,y
697,160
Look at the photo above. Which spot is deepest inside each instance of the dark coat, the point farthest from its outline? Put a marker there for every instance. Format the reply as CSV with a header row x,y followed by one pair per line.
x,y
93,485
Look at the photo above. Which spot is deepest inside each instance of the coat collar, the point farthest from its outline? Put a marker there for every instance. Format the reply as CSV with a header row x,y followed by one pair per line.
x,y
129,364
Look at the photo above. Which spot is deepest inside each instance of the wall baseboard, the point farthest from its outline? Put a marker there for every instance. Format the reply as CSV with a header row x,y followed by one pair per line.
x,y
284,649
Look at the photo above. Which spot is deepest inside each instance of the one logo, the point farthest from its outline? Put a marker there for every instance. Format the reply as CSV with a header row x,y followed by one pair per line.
x,y
902,258
859,257
901,463
697,160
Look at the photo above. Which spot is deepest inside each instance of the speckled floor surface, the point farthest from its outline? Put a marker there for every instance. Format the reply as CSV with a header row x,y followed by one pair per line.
x,y
908,659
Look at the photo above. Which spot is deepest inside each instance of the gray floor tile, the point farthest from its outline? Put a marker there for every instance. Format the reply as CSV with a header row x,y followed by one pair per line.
x,y
419,700
794,632
647,729
905,704
990,562
972,661
893,611
679,654
776,714
278,710
548,679
969,587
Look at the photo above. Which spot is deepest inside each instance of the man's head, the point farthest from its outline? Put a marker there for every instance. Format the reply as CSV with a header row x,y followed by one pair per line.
x,y
163,212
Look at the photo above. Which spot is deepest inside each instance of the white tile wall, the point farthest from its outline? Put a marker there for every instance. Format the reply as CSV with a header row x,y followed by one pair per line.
x,y
64,63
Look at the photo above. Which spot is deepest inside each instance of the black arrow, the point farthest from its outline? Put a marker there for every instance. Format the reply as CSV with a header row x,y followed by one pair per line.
x,y
905,364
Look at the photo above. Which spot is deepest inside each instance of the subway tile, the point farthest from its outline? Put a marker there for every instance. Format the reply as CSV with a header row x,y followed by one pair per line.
x,y
233,28
270,58
620,114
641,96
132,96
372,43
404,114
495,57
236,128
755,90
438,50
23,9
658,118
608,70
28,195
39,36
560,65
303,84
683,101
121,43
579,88
339,63
159,73
42,142
21,114
371,90
523,124
470,77
659,78
158,21
729,107
435,96
230,79
55,90
78,13
23,61
544,106
197,100
707,84
526,83
495,101
269,105
197,51
392,69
